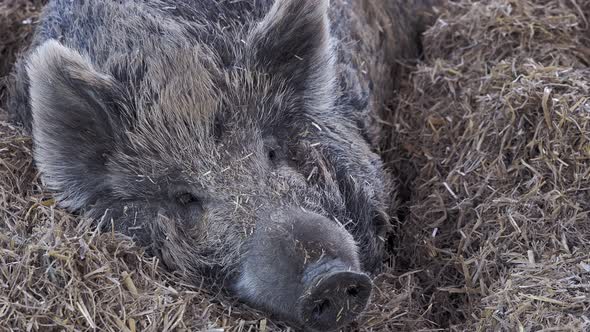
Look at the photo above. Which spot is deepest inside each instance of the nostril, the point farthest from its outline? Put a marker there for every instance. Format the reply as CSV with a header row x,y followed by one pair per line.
x,y
352,291
320,308
334,299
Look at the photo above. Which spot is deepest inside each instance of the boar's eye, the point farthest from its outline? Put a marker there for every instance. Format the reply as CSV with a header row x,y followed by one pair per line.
x,y
186,198
272,155
273,149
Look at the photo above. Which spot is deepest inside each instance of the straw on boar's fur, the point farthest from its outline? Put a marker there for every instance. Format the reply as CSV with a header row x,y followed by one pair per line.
x,y
491,138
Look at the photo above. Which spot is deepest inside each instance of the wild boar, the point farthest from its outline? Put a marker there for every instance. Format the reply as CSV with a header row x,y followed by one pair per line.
x,y
233,139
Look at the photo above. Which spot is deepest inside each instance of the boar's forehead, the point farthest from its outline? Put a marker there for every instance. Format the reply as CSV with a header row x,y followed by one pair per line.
x,y
256,103
195,84
185,103
194,121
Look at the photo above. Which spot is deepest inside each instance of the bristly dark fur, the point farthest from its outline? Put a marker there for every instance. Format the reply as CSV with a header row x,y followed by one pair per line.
x,y
205,128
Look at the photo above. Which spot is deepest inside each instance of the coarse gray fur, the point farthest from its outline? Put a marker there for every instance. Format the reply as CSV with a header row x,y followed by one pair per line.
x,y
231,138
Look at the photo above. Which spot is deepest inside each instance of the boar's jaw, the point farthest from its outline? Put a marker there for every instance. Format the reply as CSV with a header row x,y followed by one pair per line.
x,y
294,259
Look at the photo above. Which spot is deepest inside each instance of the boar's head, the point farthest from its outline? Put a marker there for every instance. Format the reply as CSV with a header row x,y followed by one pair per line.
x,y
239,160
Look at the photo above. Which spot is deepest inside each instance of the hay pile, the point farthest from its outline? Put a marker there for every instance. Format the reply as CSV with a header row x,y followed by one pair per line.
x,y
491,138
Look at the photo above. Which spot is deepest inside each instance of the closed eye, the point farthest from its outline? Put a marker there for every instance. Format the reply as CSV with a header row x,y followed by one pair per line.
x,y
272,155
273,150
186,198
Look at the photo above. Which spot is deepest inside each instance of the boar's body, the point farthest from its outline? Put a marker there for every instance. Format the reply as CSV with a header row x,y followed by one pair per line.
x,y
231,138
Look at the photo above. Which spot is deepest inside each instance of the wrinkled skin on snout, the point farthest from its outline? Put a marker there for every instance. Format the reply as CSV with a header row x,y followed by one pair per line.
x,y
223,137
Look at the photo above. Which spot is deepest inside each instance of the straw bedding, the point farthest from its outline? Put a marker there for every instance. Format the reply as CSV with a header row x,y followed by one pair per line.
x,y
492,131
490,137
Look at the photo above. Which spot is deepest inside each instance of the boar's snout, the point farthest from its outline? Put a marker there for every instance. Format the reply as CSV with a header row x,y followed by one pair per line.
x,y
334,296
305,268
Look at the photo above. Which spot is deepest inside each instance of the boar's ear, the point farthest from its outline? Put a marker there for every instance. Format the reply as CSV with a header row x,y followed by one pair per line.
x,y
74,109
293,40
